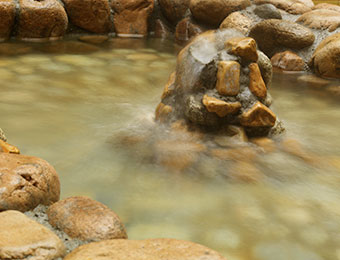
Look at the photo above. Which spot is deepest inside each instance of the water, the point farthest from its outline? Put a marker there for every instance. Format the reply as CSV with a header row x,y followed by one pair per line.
x,y
71,109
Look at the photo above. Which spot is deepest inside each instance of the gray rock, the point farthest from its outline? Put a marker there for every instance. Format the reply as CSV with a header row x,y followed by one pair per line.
x,y
267,11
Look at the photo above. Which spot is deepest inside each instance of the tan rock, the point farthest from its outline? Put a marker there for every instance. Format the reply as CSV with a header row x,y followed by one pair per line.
x,y
256,83
247,154
246,172
23,238
220,107
288,61
41,19
243,47
169,87
8,148
85,219
162,112
7,14
321,19
228,78
237,21
131,17
26,182
267,144
327,6
290,6
258,116
151,249
174,10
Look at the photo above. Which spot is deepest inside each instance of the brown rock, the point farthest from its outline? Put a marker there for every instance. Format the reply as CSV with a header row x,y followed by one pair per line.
x,y
228,78
23,238
220,107
288,61
213,12
162,112
26,182
91,15
131,17
258,116
267,144
245,172
151,249
85,219
256,83
94,39
8,148
290,6
174,10
161,29
7,14
327,6
243,47
186,29
41,19
321,19
235,154
237,21
169,87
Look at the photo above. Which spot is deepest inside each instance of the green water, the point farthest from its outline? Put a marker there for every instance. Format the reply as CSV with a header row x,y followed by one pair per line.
x,y
69,108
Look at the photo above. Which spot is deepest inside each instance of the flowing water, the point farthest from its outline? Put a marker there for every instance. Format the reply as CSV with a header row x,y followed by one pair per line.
x,y
69,108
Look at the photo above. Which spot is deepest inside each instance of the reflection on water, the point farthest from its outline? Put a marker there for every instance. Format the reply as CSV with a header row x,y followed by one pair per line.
x,y
69,108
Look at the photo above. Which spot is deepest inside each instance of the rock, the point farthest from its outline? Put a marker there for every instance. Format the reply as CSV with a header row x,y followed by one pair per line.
x,y
93,39
162,112
174,10
245,154
294,148
23,238
265,143
26,182
169,87
161,29
91,15
246,172
131,17
325,59
258,116
290,6
8,148
221,108
7,14
41,19
256,83
288,61
186,29
155,249
267,11
85,219
237,21
273,33
321,19
228,78
327,6
245,47
313,81
213,12
266,68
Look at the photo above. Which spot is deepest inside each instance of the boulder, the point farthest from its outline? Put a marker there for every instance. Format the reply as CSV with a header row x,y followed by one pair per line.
x,y
41,19
321,19
7,14
23,238
26,182
131,17
267,11
213,12
152,249
91,15
275,33
288,61
290,6
237,21
85,219
174,10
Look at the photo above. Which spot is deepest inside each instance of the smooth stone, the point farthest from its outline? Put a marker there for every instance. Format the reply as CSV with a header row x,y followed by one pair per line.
x,y
244,47
258,116
266,68
267,11
174,10
290,6
228,78
7,14
256,83
238,21
220,107
321,19
288,61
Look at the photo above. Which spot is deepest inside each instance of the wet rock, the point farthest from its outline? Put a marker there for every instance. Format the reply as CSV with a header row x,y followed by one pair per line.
x,y
288,61
157,249
244,47
290,6
174,10
245,172
91,15
294,148
267,11
274,33
321,19
237,21
94,39
256,83
161,29
266,68
26,182
267,144
258,116
7,14
213,12
325,59
169,86
131,17
85,219
228,78
221,108
23,238
163,112
186,29
41,19
327,6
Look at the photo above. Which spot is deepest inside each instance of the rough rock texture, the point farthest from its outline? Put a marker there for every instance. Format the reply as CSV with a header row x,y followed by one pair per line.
x,y
288,61
152,249
237,21
86,219
41,19
213,12
274,33
131,17
91,15
26,182
327,6
321,19
174,10
267,11
7,15
23,238
290,6
325,59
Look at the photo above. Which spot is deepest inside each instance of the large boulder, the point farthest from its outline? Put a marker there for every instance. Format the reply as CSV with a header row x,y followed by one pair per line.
x,y
155,249
238,21
85,219
275,33
174,10
325,59
290,6
26,182
213,12
7,14
321,19
91,15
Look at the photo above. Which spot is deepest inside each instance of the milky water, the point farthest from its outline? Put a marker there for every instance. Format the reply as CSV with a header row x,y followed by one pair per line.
x,y
69,109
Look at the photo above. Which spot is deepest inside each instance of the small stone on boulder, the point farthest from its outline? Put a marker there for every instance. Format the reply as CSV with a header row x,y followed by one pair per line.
x,y
256,83
220,107
228,78
243,47
258,116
